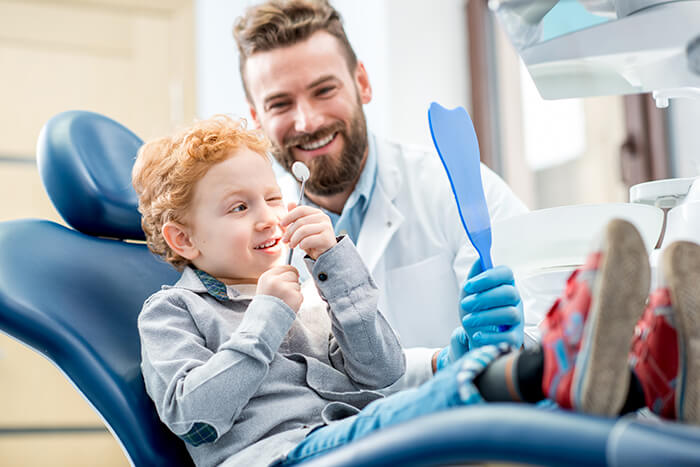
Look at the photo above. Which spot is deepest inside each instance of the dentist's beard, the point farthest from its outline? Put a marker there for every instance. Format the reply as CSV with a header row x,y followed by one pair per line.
x,y
330,174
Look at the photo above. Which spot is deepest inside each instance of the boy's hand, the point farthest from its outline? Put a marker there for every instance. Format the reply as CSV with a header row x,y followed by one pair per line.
x,y
308,228
282,282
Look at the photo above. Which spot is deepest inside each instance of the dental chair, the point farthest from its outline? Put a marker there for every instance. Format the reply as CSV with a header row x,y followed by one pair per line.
x,y
73,294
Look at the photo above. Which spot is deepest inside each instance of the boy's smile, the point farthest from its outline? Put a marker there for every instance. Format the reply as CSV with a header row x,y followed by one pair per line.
x,y
268,245
234,219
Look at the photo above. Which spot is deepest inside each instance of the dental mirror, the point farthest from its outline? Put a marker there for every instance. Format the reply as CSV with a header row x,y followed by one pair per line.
x,y
301,173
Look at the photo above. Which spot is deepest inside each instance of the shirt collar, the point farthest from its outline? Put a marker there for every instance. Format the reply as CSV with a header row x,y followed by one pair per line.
x,y
199,281
214,286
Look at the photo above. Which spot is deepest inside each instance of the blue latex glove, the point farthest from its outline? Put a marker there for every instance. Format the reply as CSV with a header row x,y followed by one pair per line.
x,y
458,347
490,307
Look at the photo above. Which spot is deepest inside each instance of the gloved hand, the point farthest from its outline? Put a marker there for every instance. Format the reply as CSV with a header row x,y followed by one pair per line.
x,y
490,307
453,352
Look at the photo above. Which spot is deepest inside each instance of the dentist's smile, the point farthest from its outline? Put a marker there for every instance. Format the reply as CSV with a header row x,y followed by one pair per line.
x,y
318,143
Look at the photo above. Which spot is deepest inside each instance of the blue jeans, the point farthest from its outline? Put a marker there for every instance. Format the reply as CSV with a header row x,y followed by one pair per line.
x,y
451,387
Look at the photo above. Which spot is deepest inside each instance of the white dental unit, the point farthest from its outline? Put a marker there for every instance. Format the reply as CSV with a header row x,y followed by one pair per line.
x,y
637,46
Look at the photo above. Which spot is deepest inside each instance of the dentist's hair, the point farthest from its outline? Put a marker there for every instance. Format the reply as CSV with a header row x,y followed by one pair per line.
x,y
167,170
281,23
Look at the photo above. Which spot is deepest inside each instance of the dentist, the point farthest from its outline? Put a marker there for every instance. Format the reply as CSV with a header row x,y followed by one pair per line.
x,y
305,88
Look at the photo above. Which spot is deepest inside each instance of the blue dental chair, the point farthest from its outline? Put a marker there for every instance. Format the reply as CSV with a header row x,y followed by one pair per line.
x,y
73,295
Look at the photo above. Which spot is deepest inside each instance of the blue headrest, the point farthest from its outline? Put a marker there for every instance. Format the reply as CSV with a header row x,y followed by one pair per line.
x,y
85,161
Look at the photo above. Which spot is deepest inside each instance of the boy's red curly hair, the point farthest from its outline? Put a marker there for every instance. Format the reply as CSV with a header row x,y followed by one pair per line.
x,y
167,169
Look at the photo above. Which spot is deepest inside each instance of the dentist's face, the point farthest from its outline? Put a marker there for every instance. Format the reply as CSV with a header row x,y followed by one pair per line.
x,y
310,106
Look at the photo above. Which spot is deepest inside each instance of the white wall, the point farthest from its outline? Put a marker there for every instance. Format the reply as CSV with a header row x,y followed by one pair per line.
x,y
218,84
428,61
415,52
685,144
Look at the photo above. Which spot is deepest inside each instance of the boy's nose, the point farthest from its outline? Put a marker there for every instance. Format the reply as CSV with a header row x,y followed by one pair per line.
x,y
268,219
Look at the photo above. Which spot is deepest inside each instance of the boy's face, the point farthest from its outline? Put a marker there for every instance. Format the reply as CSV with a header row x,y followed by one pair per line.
x,y
234,219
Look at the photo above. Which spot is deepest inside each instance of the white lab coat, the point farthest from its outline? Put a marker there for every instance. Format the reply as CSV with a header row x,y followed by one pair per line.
x,y
413,242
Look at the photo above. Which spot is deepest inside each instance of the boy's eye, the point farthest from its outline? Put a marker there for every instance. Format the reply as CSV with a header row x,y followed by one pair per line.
x,y
238,208
275,199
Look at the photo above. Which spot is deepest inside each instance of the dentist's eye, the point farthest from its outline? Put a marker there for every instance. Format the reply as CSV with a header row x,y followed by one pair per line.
x,y
277,106
325,90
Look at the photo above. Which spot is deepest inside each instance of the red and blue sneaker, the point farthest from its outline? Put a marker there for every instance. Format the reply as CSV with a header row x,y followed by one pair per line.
x,y
587,334
665,354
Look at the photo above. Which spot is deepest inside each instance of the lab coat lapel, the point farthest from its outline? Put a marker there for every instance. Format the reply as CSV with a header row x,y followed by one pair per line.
x,y
383,218
381,222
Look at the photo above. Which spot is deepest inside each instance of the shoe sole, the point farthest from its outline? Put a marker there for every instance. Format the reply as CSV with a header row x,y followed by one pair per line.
x,y
681,267
621,286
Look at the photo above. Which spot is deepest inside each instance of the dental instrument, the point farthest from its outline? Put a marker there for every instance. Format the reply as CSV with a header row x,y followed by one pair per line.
x,y
301,173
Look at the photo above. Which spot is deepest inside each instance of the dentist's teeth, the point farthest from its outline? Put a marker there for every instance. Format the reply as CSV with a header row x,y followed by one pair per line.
x,y
317,144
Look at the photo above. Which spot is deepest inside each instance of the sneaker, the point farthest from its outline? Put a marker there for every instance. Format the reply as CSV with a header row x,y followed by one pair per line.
x,y
665,354
586,335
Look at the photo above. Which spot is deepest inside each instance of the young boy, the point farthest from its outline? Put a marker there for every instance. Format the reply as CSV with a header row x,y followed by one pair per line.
x,y
233,355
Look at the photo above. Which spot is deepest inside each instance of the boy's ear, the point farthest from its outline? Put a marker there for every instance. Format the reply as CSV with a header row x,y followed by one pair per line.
x,y
177,238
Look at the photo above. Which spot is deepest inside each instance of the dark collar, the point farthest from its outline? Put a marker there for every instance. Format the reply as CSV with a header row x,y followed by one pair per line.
x,y
214,286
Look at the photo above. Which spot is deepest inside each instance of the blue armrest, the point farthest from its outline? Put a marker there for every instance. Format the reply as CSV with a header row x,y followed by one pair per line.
x,y
524,434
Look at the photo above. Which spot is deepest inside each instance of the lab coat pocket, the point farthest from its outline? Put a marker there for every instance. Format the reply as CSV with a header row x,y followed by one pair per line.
x,y
422,300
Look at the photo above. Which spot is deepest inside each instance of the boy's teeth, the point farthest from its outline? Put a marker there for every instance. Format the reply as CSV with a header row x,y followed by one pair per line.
x,y
317,144
266,245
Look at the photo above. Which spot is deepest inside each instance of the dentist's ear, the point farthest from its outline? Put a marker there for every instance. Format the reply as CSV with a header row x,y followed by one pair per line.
x,y
254,116
177,238
362,82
